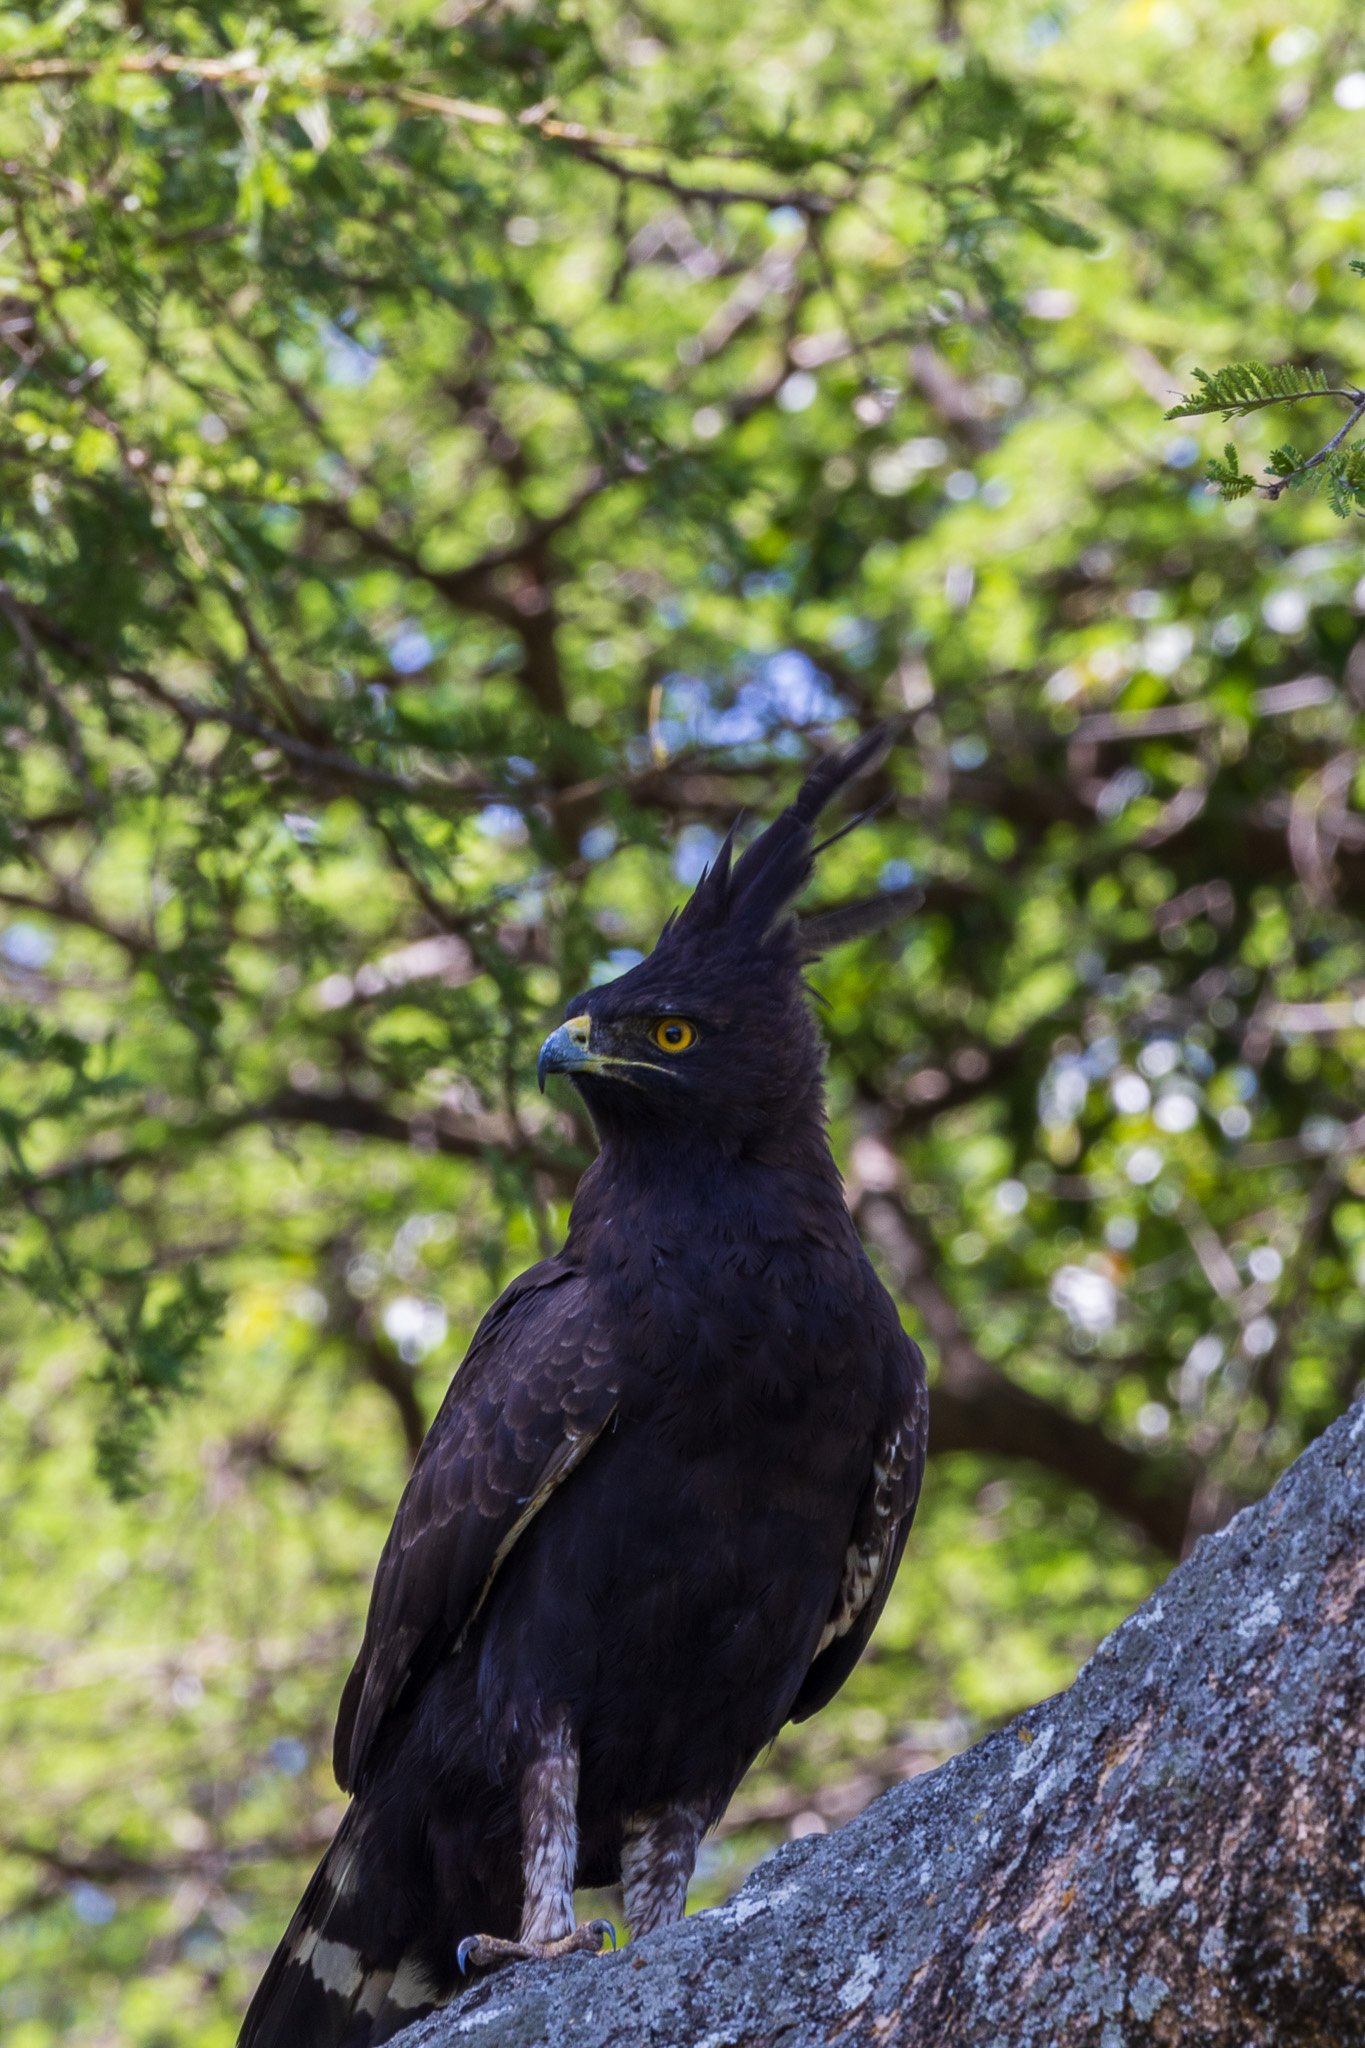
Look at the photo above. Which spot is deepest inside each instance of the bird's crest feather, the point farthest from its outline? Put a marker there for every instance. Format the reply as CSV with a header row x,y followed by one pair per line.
x,y
748,896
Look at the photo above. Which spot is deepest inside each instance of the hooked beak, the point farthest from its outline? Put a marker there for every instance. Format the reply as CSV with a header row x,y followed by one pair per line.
x,y
566,1051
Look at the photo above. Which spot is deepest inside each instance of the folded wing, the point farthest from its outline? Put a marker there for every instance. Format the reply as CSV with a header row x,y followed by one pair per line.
x,y
880,1527
532,1397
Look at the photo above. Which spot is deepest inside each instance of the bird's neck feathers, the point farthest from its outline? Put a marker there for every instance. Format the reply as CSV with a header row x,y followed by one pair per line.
x,y
644,1169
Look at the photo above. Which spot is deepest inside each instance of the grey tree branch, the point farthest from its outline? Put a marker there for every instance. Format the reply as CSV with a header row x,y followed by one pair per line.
x,y
1167,1853
1312,462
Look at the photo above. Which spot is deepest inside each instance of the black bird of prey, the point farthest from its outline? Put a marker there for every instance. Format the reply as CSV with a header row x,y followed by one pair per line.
x,y
661,1506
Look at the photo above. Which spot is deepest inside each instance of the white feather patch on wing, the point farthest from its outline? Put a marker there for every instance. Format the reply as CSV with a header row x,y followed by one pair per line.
x,y
372,1993
302,1948
863,1561
337,1967
411,1986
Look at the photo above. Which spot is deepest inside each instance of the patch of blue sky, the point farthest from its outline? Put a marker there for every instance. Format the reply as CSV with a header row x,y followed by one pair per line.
x,y
504,823
410,651
346,361
24,945
694,852
92,1904
619,961
597,842
782,691
855,639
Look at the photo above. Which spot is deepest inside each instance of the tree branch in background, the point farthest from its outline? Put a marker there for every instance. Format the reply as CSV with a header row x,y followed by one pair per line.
x,y
975,1407
351,1320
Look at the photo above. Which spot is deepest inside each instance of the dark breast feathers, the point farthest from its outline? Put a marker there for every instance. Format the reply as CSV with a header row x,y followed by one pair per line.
x,y
671,1499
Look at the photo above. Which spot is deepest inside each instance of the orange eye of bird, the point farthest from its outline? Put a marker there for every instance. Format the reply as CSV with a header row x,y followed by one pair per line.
x,y
674,1034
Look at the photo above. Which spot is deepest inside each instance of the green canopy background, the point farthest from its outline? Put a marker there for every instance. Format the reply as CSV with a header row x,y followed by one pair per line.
x,y
451,459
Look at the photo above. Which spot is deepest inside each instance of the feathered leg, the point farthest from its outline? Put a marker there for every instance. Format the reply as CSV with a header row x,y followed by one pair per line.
x,y
549,1835
657,1862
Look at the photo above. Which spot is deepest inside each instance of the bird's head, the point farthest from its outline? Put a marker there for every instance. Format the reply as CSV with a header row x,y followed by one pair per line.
x,y
712,1033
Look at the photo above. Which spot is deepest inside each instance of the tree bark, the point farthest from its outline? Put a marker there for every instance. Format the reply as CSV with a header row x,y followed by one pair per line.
x,y
1170,1852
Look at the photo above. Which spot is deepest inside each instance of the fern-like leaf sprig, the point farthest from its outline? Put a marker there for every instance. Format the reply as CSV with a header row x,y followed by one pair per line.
x,y
1241,389
1244,388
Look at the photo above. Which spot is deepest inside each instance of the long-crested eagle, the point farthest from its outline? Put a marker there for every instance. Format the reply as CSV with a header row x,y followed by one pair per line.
x,y
661,1506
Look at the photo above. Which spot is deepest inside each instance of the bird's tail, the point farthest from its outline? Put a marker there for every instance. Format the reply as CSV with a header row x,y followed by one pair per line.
x,y
351,1969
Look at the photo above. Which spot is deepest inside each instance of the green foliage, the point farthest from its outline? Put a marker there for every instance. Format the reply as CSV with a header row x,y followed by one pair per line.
x,y
166,1329
1244,388
424,523
1232,480
1344,479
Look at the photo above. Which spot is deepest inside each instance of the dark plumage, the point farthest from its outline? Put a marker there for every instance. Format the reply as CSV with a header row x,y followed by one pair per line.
x,y
660,1508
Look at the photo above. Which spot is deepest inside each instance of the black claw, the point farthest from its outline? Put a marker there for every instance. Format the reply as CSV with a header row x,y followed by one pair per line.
x,y
606,1929
471,1941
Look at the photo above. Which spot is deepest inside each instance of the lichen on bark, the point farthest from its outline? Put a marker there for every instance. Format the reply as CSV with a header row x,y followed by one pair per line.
x,y
1169,1852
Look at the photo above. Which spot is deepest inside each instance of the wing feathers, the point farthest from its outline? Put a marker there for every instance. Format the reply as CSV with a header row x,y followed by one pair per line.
x,y
570,1452
877,1539
524,1409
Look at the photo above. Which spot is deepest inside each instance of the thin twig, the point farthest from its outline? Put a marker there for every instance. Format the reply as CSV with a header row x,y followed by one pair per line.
x,y
242,69
1282,483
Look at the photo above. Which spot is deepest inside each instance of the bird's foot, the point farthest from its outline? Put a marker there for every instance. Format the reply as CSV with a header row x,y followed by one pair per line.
x,y
482,1951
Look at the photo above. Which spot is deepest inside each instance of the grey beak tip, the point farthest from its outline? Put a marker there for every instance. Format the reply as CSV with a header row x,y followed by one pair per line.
x,y
547,1063
562,1053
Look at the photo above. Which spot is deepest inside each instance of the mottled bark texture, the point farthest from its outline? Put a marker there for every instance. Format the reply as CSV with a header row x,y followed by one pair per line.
x,y
1169,1852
